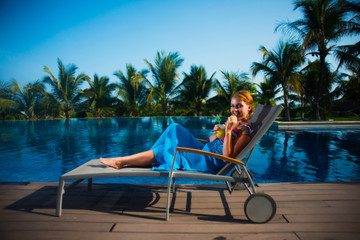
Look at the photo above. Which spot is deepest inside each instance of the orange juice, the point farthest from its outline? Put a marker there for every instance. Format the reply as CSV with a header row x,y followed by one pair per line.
x,y
221,132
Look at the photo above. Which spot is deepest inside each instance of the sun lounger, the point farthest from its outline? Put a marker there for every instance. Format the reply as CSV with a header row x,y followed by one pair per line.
x,y
259,207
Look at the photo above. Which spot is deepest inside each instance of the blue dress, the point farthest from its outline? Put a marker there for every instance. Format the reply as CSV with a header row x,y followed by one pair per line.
x,y
177,136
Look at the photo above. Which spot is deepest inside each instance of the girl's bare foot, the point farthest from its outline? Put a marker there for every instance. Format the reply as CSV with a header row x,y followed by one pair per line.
x,y
111,162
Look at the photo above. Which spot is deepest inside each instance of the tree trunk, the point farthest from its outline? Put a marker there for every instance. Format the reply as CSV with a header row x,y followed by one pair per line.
x,y
302,109
164,107
67,112
198,109
286,103
319,86
134,110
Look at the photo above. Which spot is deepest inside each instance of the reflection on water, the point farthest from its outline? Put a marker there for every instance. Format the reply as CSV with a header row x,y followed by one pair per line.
x,y
44,150
307,156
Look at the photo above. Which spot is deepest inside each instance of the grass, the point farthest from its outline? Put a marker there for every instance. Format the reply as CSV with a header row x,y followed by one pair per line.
x,y
352,118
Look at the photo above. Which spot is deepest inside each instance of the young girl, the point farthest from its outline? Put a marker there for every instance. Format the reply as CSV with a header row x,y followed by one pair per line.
x,y
238,133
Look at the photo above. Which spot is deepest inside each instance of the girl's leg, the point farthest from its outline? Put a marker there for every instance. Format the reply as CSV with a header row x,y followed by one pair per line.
x,y
143,159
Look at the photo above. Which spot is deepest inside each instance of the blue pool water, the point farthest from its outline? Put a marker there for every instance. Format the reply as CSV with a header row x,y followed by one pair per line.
x,y
44,150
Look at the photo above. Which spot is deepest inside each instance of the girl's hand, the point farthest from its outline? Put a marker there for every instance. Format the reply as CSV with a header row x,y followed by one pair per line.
x,y
231,123
216,127
213,137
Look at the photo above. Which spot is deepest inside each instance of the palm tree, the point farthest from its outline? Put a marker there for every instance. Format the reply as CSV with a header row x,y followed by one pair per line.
x,y
132,88
99,95
195,89
280,66
49,107
351,88
6,102
165,77
26,100
233,82
347,54
65,88
310,77
267,92
323,23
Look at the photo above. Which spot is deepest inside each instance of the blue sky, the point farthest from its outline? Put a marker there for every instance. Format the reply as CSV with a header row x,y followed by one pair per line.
x,y
102,36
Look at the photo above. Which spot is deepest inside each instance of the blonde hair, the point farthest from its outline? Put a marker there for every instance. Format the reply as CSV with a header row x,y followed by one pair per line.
x,y
246,97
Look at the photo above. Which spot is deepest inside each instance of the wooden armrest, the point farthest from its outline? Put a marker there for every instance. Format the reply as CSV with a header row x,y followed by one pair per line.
x,y
202,140
215,155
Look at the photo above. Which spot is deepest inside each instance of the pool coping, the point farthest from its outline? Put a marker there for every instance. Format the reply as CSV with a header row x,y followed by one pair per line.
x,y
299,125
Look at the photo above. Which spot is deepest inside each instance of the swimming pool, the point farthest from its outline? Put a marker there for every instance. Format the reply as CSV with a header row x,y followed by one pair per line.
x,y
43,150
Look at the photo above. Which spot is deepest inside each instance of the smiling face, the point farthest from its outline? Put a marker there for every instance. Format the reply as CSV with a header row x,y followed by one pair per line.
x,y
239,109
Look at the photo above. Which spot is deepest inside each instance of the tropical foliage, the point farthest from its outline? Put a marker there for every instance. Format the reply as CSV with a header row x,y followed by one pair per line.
x,y
194,91
296,73
99,98
232,82
268,91
351,87
322,25
331,87
347,54
132,89
21,103
280,67
6,104
164,73
65,88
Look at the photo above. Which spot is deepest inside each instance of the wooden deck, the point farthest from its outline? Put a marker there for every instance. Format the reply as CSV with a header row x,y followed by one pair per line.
x,y
111,211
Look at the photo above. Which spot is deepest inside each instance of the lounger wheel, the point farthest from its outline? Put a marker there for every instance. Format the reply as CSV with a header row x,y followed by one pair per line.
x,y
260,208
240,186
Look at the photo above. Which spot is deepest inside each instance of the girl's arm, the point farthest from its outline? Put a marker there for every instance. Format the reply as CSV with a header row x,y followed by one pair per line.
x,y
233,146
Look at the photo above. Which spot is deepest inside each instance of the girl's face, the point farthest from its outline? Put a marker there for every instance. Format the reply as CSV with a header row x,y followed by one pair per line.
x,y
239,109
